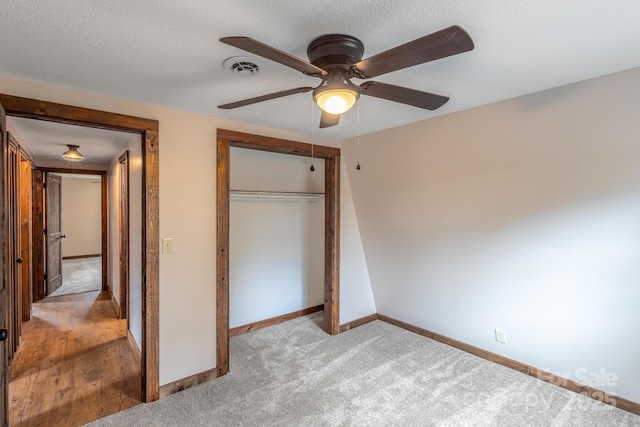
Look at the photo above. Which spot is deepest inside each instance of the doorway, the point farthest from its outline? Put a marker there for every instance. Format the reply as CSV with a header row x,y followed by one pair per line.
x,y
148,129
69,318
227,139
77,203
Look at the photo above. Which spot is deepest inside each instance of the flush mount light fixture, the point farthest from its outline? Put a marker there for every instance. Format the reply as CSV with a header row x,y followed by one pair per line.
x,y
336,101
337,95
72,154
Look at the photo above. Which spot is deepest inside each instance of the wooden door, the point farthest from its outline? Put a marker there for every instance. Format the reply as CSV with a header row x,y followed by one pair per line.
x,y
14,286
26,241
39,251
4,256
124,236
54,234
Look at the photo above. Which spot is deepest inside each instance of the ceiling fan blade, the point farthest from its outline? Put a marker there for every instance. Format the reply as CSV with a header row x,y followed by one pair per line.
x,y
266,51
264,98
328,120
403,95
443,43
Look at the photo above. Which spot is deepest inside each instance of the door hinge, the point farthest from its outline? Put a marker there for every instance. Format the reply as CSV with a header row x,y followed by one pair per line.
x,y
44,231
44,185
45,278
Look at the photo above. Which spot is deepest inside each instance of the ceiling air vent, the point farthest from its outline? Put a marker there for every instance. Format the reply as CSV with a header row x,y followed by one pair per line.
x,y
243,65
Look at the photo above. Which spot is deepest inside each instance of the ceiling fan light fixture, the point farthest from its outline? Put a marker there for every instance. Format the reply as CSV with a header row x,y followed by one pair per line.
x,y
337,58
336,101
72,154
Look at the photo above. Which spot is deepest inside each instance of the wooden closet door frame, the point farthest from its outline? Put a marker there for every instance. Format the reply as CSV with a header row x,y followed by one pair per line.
x,y
331,156
148,129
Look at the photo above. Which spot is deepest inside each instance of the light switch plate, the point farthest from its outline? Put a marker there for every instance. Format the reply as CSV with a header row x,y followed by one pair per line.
x,y
167,245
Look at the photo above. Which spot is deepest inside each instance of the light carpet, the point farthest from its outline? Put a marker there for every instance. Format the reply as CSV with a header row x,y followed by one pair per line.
x,y
80,275
293,374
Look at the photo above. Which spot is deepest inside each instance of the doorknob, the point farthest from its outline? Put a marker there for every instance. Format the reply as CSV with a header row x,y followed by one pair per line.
x,y
3,334
62,236
19,260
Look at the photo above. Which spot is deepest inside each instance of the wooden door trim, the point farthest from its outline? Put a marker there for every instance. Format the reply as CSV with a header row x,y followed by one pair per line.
x,y
148,129
124,240
4,278
227,139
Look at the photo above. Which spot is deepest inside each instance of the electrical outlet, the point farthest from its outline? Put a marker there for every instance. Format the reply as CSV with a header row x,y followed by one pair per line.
x,y
501,336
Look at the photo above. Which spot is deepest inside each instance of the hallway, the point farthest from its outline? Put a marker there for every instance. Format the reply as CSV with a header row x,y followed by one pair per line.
x,y
74,364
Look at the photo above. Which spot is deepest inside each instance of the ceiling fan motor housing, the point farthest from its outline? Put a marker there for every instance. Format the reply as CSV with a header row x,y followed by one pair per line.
x,y
335,51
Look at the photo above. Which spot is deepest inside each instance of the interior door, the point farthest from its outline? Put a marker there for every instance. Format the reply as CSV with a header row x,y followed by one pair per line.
x,y
4,225
54,234
26,241
14,284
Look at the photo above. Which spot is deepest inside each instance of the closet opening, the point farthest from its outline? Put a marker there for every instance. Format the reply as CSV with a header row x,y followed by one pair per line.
x,y
279,200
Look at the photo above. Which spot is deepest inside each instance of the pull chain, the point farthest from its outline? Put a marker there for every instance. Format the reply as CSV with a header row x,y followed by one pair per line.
x,y
358,151
311,169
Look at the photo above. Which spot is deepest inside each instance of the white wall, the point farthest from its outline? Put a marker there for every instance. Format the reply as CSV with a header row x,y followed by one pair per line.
x,y
135,238
522,215
276,261
187,152
356,295
276,245
134,146
255,170
81,215
113,227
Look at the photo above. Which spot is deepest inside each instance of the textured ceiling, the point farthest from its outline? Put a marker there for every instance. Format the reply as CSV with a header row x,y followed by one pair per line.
x,y
48,140
167,52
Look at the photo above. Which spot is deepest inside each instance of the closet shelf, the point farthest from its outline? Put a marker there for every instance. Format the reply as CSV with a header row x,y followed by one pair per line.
x,y
243,194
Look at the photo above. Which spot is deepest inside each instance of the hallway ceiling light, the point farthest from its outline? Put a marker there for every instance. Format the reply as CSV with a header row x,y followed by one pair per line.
x,y
72,154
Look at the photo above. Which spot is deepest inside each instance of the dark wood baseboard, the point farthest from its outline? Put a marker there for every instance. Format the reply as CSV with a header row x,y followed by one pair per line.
x,y
554,379
188,382
134,347
358,322
274,320
81,256
115,303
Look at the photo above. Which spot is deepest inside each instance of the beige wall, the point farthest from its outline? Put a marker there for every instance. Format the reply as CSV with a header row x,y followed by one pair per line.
x,y
134,147
523,215
276,246
187,214
81,215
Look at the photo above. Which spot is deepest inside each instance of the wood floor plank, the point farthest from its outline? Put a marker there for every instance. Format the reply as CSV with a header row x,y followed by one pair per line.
x,y
74,365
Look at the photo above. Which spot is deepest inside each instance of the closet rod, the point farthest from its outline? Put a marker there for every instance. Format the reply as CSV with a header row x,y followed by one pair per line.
x,y
275,194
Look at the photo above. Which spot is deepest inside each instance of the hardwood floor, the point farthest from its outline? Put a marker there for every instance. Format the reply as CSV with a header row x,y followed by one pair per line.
x,y
74,364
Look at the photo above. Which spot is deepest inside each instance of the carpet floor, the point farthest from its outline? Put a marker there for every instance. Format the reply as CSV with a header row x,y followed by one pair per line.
x,y
80,275
293,374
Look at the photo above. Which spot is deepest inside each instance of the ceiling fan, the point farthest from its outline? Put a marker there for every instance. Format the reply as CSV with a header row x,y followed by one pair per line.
x,y
337,58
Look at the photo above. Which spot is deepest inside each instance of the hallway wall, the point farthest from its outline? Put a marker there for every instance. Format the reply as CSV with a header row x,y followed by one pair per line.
x,y
81,215
134,147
